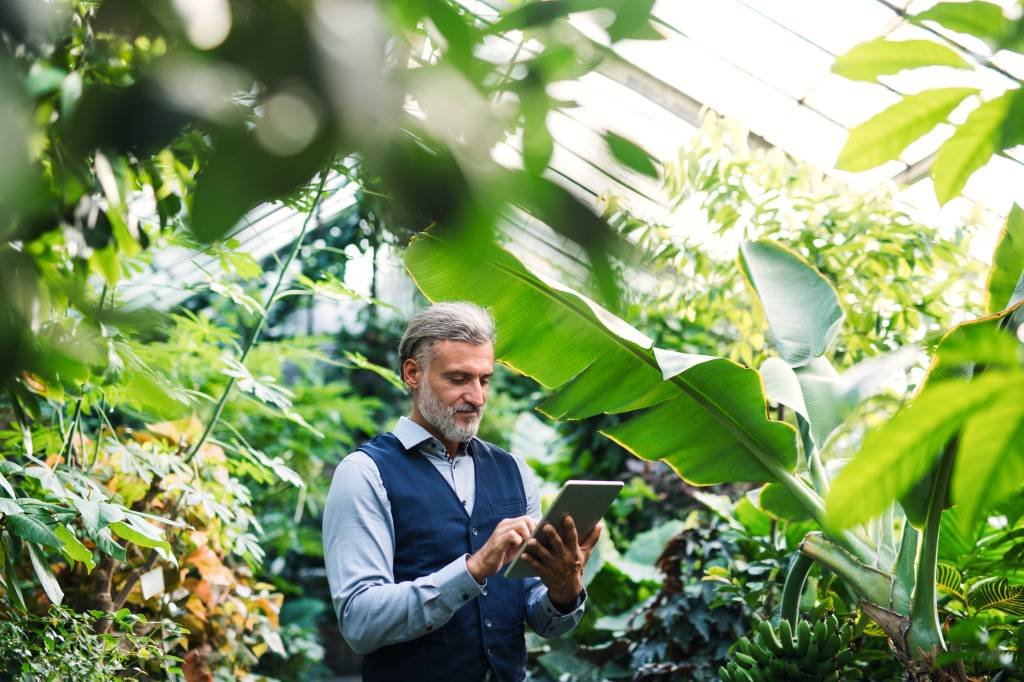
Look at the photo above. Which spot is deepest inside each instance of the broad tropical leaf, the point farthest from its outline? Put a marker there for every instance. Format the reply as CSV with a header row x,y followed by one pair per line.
x,y
1006,279
999,594
983,20
990,460
45,575
32,529
140,537
802,307
882,57
971,146
882,137
899,454
73,548
782,386
706,417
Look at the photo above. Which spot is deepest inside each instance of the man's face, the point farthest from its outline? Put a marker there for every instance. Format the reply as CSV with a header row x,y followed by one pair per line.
x,y
451,390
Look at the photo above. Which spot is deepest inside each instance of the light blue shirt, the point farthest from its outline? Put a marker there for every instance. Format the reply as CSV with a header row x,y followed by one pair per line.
x,y
359,548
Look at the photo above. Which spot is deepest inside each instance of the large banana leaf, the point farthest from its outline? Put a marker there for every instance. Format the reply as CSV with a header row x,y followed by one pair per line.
x,y
801,306
706,417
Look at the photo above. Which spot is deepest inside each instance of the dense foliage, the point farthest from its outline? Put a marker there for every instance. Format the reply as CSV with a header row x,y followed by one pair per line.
x,y
162,471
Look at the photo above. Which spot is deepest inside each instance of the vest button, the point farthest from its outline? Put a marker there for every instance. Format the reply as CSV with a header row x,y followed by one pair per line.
x,y
488,623
475,531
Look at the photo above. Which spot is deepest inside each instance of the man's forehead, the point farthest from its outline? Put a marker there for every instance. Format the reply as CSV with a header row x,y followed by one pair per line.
x,y
478,355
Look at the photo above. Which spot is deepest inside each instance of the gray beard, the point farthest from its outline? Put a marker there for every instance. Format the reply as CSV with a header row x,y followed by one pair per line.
x,y
442,417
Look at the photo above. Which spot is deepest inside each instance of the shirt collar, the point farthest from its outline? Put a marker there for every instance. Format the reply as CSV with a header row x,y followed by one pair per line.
x,y
411,435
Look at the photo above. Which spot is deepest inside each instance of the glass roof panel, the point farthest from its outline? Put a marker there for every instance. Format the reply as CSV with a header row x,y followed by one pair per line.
x,y
835,25
750,41
712,81
849,103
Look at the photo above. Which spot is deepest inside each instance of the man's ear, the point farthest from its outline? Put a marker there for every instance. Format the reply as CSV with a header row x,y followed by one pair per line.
x,y
411,373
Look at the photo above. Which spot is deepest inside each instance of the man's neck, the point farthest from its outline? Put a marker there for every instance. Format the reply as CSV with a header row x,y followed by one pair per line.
x,y
451,447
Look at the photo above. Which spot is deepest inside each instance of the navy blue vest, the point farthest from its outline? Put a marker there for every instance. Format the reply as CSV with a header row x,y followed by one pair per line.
x,y
432,529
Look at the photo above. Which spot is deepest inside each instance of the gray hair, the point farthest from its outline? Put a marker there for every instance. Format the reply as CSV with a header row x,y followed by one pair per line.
x,y
451,321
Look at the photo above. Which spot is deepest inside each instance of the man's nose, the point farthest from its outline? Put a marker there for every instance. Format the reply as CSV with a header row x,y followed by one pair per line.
x,y
477,394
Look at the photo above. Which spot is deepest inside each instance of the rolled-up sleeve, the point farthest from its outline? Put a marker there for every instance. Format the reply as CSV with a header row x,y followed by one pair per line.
x,y
372,610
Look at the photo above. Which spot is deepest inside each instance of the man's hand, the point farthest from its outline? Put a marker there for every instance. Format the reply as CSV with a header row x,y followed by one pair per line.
x,y
560,564
508,536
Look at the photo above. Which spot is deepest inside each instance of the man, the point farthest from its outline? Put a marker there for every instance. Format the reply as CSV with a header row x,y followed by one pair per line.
x,y
420,521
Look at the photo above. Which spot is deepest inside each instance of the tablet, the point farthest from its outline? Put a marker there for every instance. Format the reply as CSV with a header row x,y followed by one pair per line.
x,y
585,501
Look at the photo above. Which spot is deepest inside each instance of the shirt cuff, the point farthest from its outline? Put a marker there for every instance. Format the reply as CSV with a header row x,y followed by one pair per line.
x,y
552,611
456,585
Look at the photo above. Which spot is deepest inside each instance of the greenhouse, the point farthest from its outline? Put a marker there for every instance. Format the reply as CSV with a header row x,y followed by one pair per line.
x,y
549,340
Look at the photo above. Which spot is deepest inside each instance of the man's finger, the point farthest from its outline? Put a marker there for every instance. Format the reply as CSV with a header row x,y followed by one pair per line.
x,y
538,551
554,538
572,540
594,536
511,538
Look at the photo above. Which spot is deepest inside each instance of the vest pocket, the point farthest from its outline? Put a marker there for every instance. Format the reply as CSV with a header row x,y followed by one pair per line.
x,y
508,509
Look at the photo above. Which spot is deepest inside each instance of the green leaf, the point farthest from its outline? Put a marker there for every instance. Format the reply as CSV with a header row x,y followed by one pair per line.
x,y
6,485
983,20
106,544
45,576
633,21
1005,284
631,155
12,586
775,500
647,546
971,146
73,548
882,57
882,137
802,307
457,30
831,397
241,174
998,594
43,79
990,460
706,417
899,454
782,386
949,581
361,361
9,506
140,537
32,529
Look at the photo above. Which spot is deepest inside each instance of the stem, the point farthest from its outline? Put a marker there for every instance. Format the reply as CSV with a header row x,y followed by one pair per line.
x,y
871,584
906,562
812,502
887,540
254,336
924,638
819,478
65,448
796,578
